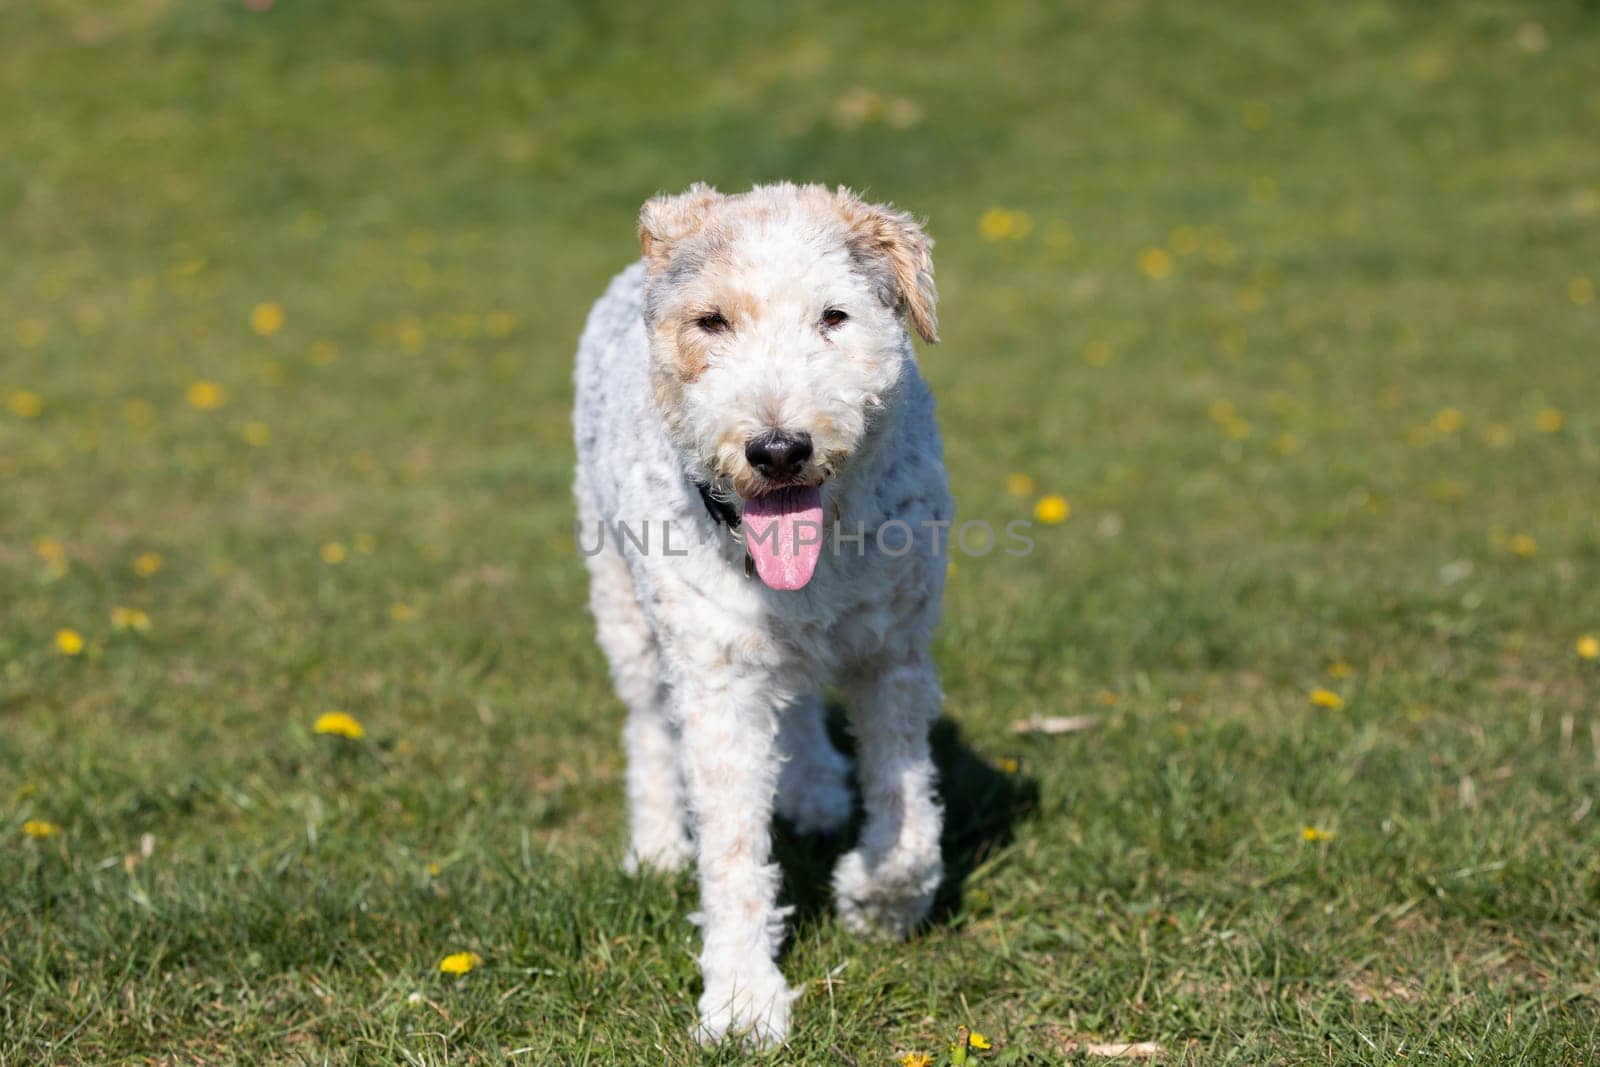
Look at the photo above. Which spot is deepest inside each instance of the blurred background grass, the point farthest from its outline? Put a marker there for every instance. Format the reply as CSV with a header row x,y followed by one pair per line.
x,y
1294,305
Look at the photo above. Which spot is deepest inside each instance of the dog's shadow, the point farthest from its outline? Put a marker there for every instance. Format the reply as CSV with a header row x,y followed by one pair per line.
x,y
982,804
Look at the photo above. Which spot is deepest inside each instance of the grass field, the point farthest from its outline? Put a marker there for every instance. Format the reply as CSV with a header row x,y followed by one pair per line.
x,y
1295,304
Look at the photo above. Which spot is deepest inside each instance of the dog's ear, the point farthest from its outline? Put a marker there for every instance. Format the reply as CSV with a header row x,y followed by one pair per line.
x,y
896,241
665,221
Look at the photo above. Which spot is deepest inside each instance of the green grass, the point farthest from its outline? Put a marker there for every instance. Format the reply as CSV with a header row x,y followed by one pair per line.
x,y
1391,205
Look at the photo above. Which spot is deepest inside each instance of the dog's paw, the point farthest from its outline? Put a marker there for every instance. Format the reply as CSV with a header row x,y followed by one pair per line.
x,y
752,1010
886,899
819,803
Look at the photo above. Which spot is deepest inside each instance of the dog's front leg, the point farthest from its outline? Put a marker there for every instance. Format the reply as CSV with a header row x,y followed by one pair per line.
x,y
885,886
729,735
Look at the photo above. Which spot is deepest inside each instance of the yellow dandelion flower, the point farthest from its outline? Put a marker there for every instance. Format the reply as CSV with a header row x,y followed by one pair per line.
x,y
978,1041
266,318
1155,263
54,554
1097,353
256,434
1549,420
366,544
1313,833
1589,647
1255,114
915,1059
1011,765
1581,290
1251,298
129,619
1340,669
147,563
40,828
1499,436
1019,484
1327,698
1052,509
24,404
205,395
339,724
69,642
332,553
995,224
413,336
1523,545
1286,444
1448,420
499,324
1185,240
1106,698
421,241
401,612
433,870
1237,428
30,332
1221,251
460,962
139,413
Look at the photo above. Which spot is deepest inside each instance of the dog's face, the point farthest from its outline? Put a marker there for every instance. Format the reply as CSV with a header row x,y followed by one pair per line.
x,y
775,325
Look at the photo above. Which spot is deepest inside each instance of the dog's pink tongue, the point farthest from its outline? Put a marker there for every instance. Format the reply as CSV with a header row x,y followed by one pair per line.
x,y
783,534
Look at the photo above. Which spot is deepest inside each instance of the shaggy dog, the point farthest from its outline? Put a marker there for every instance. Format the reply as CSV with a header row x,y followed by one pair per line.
x,y
761,495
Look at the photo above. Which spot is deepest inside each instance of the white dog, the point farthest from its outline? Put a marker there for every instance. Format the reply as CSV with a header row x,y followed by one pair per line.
x,y
761,496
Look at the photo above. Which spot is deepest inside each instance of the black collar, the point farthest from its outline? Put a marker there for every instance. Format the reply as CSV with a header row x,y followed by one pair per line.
x,y
720,510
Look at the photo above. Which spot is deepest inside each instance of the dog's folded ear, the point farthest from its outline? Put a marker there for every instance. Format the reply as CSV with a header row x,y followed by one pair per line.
x,y
666,221
894,243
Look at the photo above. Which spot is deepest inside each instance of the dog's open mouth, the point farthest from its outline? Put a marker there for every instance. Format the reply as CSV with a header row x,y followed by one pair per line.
x,y
783,534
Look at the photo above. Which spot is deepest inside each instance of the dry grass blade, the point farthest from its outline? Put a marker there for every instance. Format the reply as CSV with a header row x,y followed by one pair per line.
x,y
1133,1050
1055,724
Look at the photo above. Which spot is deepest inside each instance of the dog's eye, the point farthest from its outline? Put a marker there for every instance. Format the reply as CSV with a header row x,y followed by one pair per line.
x,y
712,323
833,317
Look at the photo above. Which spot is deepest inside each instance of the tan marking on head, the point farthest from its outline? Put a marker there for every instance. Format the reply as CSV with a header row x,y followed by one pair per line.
x,y
896,237
687,349
737,304
684,345
667,221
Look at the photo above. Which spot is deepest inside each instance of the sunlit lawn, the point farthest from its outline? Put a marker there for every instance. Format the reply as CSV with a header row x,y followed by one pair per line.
x,y
1292,306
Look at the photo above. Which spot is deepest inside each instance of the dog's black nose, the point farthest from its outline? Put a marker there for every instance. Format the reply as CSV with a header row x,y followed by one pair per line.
x,y
778,454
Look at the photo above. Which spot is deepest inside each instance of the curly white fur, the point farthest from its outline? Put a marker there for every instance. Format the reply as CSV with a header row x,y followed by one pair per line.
x,y
722,675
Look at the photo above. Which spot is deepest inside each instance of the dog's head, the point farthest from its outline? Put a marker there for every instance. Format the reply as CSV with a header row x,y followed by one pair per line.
x,y
775,319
